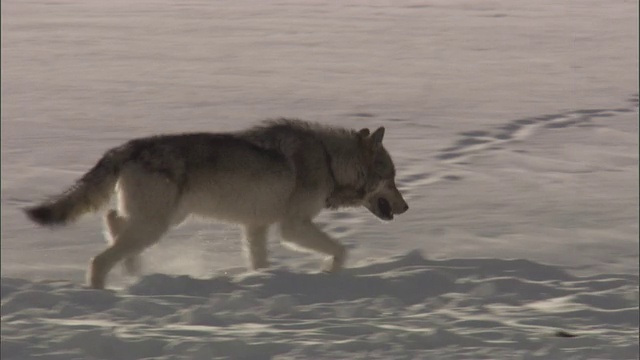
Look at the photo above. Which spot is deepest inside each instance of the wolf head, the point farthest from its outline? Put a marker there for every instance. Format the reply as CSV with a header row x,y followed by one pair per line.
x,y
375,186
381,196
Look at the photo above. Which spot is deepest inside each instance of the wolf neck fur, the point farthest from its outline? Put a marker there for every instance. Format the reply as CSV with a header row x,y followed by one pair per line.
x,y
343,193
339,145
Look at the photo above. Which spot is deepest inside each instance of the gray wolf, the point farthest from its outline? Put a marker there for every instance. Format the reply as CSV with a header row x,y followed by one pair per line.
x,y
280,172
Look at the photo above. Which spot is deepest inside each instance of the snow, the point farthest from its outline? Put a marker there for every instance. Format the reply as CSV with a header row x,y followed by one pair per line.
x,y
513,125
400,307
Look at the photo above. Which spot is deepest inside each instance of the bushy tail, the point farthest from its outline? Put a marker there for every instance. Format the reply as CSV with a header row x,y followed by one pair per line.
x,y
92,191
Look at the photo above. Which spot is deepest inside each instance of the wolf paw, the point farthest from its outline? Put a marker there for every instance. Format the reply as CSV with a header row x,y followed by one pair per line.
x,y
335,263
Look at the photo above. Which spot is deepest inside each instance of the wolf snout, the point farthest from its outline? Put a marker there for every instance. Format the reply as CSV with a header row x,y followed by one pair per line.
x,y
402,209
405,207
385,208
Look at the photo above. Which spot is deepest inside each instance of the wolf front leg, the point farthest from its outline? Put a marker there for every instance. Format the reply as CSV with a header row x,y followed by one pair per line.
x,y
255,238
306,235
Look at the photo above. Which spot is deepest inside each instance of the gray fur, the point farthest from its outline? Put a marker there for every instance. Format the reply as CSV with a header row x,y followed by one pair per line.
x,y
281,172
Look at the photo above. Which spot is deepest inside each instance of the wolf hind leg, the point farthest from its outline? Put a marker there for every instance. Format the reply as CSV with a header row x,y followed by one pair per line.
x,y
134,238
146,204
115,223
306,235
255,239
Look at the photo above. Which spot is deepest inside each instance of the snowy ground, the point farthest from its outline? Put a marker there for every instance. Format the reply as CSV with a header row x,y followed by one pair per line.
x,y
513,124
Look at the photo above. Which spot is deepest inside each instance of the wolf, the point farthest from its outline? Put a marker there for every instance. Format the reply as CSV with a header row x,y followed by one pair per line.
x,y
283,171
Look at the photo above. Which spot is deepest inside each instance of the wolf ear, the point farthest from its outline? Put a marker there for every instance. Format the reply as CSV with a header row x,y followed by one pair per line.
x,y
376,137
364,133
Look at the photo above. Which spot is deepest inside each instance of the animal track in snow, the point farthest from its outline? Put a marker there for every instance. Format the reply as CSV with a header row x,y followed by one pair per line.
x,y
407,182
476,142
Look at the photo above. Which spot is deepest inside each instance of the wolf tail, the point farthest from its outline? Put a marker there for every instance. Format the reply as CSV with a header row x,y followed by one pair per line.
x,y
92,191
